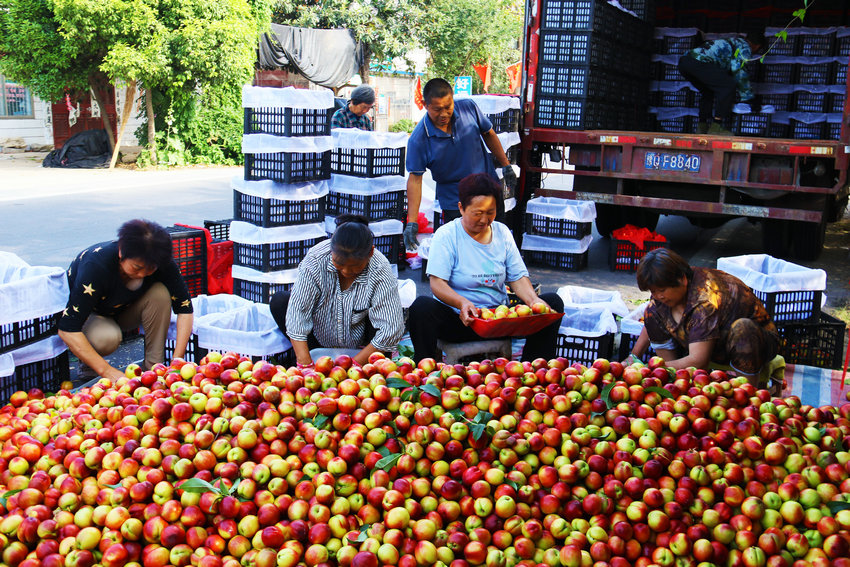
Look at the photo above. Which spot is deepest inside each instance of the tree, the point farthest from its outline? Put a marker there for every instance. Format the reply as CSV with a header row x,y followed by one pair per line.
x,y
386,28
462,33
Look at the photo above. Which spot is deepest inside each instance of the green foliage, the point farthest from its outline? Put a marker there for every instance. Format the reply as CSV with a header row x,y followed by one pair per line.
x,y
463,33
403,125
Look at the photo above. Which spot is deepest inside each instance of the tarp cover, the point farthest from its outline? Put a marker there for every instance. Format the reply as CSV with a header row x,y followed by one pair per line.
x,y
326,57
84,150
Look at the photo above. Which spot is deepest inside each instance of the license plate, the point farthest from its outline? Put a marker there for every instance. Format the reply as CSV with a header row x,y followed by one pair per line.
x,y
672,162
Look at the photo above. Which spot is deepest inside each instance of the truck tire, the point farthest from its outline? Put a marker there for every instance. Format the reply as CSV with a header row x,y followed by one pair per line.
x,y
776,237
808,239
608,218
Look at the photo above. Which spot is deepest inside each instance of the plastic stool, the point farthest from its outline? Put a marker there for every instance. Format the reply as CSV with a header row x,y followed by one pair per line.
x,y
459,352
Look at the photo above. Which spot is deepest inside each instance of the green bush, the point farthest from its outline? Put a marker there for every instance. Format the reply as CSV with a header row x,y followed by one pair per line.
x,y
403,125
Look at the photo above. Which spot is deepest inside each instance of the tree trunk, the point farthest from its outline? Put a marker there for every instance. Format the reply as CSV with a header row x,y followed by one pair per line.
x,y
125,116
104,116
151,125
363,70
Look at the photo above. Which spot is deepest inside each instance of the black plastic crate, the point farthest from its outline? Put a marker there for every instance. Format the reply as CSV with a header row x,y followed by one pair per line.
x,y
563,260
580,15
506,121
835,102
803,131
189,248
571,113
679,125
380,206
670,72
809,102
833,130
392,246
513,154
275,212
561,228
272,257
682,98
842,45
219,230
624,255
627,343
781,102
21,333
645,9
816,45
819,344
814,74
576,81
288,167
194,353
783,48
288,121
752,125
368,162
584,350
576,48
678,45
46,375
839,73
779,73
779,130
258,292
791,306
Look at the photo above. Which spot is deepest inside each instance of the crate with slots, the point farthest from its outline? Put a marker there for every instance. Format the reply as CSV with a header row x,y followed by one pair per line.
x,y
624,255
46,375
189,247
259,292
572,262
21,333
288,167
367,162
194,353
288,121
379,206
584,350
273,256
270,212
817,343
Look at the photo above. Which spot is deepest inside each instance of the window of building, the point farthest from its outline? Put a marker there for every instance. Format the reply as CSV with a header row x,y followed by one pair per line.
x,y
15,99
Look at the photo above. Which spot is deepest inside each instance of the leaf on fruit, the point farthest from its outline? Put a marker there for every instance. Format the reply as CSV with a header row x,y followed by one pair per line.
x,y
113,486
233,488
361,537
320,421
411,395
835,507
483,417
7,495
456,413
197,486
596,413
663,392
606,394
404,350
395,428
477,430
383,451
431,389
388,462
490,431
397,383
511,483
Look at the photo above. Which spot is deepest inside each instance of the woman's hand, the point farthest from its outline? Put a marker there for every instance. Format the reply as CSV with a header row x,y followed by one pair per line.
x,y
468,312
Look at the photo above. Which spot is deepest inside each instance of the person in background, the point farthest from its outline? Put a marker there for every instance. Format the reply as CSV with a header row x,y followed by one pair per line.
x,y
355,114
699,316
450,141
471,259
117,286
345,296
717,70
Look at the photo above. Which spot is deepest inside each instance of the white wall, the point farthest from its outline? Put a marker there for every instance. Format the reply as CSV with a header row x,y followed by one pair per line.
x,y
36,131
134,120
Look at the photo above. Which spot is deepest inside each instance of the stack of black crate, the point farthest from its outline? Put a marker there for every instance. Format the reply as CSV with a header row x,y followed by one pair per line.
x,y
367,178
287,147
593,66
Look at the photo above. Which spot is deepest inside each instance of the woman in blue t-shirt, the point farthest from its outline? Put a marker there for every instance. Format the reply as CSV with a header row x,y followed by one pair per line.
x,y
471,260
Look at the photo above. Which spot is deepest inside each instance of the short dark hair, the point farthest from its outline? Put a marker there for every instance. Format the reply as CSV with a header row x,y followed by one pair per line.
x,y
662,268
477,185
352,239
146,241
436,88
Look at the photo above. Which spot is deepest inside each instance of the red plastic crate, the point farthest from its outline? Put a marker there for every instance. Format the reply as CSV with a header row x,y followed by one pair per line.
x,y
624,255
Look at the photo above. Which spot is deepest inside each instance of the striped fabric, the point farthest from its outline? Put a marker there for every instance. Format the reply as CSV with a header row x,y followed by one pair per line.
x,y
815,386
338,319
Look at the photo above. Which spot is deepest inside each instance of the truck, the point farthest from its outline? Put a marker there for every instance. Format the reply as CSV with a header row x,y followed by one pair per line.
x,y
633,170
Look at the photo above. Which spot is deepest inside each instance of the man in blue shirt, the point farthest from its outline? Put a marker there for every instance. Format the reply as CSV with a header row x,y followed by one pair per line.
x,y
449,140
716,69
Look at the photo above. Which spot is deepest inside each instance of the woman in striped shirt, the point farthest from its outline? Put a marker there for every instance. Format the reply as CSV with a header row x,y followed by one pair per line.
x,y
345,296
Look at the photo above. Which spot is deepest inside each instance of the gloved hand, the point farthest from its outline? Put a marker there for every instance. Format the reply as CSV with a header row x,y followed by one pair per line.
x,y
755,105
411,229
509,176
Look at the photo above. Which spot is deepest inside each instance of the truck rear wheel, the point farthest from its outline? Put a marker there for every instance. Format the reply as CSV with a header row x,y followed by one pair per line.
x,y
612,217
776,237
808,239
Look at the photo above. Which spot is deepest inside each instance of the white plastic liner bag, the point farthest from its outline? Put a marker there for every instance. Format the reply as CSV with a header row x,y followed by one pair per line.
x,y
270,144
275,97
28,292
378,228
507,139
593,322
351,185
567,209
45,349
632,323
252,275
249,330
268,189
670,86
493,104
670,113
590,298
406,292
203,305
247,233
355,138
768,274
510,204
554,244
675,32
